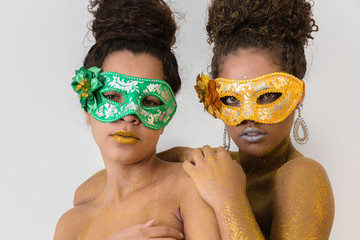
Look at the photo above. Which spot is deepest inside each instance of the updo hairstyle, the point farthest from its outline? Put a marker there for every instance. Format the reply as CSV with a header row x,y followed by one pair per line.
x,y
139,26
280,27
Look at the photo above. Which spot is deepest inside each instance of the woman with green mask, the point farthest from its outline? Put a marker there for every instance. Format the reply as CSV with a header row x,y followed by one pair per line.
x,y
126,89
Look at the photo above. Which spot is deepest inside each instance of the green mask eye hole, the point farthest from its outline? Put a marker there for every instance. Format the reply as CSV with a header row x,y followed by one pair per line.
x,y
114,96
151,101
267,98
230,101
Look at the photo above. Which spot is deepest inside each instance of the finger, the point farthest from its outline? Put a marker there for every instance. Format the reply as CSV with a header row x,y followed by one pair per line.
x,y
208,152
207,148
218,148
142,225
186,154
166,238
221,151
224,155
149,223
197,156
188,167
164,232
189,156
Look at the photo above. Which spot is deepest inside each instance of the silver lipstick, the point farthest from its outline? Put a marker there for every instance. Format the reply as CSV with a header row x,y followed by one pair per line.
x,y
252,135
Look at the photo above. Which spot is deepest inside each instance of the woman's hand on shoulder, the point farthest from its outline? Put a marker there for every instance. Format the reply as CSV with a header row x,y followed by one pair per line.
x,y
216,175
303,201
147,231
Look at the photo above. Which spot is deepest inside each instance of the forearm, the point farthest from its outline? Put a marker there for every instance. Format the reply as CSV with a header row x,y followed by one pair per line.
x,y
236,220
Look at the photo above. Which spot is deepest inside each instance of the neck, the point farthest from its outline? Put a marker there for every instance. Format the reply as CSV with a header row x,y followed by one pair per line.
x,y
284,152
124,179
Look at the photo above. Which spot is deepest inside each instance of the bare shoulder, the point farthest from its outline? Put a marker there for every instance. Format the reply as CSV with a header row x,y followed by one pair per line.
x,y
71,222
303,192
301,167
183,186
180,184
90,189
179,177
302,175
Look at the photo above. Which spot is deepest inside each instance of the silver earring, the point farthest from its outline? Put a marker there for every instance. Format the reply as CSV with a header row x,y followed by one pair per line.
x,y
226,139
299,122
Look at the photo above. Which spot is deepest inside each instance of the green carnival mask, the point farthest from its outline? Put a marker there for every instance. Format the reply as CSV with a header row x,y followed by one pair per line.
x,y
133,91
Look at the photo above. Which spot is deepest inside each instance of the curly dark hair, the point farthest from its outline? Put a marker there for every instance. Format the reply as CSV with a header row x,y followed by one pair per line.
x,y
139,26
279,27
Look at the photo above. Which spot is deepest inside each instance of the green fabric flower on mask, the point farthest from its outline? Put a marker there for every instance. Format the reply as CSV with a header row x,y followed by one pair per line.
x,y
86,84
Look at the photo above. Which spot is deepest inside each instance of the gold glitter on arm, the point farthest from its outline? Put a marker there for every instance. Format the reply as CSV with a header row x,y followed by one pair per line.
x,y
303,202
198,217
236,220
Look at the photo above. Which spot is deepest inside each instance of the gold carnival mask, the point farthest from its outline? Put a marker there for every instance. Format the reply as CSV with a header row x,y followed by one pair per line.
x,y
266,99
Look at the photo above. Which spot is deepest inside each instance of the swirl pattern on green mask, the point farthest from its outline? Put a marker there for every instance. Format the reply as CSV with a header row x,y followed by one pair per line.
x,y
134,90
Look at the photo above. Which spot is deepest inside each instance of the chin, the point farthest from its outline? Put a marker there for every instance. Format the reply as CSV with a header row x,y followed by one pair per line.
x,y
255,149
123,156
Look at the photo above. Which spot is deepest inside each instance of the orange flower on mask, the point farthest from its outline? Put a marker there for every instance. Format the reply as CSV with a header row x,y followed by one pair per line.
x,y
206,90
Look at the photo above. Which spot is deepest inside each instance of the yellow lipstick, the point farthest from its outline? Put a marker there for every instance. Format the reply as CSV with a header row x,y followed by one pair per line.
x,y
125,137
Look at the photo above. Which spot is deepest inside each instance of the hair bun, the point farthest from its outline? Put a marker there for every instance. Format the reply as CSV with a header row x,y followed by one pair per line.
x,y
149,21
279,19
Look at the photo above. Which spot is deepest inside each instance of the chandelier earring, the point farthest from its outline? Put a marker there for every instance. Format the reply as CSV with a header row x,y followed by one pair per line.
x,y
226,139
299,122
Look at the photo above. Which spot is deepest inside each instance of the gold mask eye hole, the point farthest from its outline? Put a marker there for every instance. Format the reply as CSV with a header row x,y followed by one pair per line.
x,y
267,98
114,96
230,101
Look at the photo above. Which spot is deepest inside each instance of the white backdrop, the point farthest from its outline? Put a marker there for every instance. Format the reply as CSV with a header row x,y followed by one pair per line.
x,y
46,148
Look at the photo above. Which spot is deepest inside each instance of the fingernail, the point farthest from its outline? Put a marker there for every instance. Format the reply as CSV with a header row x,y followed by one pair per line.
x,y
182,236
150,222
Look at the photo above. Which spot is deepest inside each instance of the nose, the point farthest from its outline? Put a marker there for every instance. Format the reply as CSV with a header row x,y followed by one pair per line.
x,y
250,122
132,118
